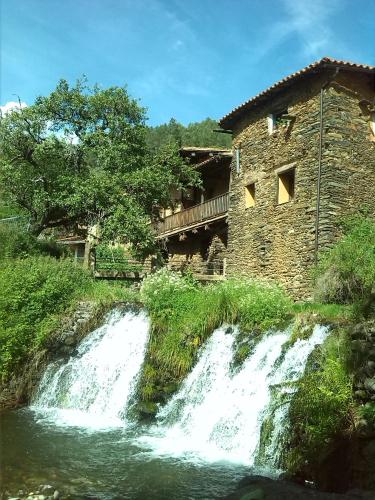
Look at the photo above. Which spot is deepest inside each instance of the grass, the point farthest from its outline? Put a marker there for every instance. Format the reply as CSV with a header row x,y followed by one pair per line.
x,y
36,294
183,314
325,312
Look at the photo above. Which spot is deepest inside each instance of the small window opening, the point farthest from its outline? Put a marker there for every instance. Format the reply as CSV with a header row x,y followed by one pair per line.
x,y
277,120
250,195
286,184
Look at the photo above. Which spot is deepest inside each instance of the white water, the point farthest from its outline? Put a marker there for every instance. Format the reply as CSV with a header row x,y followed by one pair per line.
x,y
217,414
94,387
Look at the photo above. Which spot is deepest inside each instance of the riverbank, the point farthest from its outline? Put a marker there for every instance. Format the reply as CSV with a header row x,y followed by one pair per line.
x,y
46,307
183,316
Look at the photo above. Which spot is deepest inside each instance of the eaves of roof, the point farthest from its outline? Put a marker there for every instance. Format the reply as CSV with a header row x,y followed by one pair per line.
x,y
228,120
218,158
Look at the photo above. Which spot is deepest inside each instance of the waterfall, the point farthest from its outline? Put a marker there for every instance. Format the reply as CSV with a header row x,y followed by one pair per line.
x,y
94,387
218,412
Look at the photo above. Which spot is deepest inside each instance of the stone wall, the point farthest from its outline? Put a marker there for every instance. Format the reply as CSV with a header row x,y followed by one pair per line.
x,y
202,252
277,241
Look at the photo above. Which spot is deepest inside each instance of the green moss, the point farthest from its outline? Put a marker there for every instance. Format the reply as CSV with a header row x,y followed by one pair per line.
x,y
322,407
265,440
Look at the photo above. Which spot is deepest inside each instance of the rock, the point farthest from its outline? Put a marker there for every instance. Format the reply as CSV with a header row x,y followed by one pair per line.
x,y
259,488
360,394
69,338
47,489
256,494
56,495
369,384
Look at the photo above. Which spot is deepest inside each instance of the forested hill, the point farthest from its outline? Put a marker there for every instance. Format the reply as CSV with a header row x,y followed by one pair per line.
x,y
195,134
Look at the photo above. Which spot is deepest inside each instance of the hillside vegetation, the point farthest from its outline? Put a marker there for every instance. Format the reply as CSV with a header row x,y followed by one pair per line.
x,y
199,134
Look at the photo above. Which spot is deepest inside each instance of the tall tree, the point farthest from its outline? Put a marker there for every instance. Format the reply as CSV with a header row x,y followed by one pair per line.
x,y
79,156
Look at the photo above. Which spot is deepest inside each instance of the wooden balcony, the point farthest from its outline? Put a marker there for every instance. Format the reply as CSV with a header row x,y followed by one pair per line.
x,y
209,211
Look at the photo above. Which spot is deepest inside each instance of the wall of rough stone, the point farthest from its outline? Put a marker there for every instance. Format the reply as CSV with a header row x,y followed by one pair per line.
x,y
348,172
199,248
277,242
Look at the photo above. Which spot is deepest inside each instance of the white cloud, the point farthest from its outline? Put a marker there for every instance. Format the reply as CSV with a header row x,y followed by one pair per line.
x,y
12,106
309,25
310,21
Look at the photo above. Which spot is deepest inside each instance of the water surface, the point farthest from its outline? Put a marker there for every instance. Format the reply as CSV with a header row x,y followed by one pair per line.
x,y
105,465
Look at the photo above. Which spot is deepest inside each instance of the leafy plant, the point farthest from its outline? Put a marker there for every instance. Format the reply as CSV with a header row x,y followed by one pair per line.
x,y
35,294
321,410
16,242
346,273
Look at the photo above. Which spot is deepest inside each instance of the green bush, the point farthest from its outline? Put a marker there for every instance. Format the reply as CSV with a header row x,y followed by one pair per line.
x,y
322,408
184,313
115,258
33,291
346,273
16,242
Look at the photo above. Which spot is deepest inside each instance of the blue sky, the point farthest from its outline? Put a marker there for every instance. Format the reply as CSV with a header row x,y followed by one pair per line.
x,y
187,59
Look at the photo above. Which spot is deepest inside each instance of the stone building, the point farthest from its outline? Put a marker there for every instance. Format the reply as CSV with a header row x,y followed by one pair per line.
x,y
194,232
303,156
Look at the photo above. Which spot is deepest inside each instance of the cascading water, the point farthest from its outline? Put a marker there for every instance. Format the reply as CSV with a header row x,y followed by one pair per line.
x,y
218,412
94,387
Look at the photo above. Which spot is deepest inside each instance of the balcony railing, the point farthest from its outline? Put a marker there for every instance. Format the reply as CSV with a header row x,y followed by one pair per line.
x,y
199,213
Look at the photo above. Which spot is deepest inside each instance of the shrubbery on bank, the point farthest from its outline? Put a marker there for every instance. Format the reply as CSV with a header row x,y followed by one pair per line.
x,y
35,293
346,273
322,409
17,243
184,313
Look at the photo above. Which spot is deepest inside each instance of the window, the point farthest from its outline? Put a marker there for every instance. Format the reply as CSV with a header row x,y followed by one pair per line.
x,y
250,195
286,181
277,120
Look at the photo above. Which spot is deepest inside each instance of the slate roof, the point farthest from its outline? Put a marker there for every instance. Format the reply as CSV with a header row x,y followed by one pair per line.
x,y
326,62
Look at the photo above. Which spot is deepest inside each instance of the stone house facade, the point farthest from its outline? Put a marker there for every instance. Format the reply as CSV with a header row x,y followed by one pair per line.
x,y
194,232
303,157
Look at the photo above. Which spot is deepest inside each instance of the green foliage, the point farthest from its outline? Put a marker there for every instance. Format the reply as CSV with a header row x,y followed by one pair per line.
x,y
79,156
16,242
195,134
321,410
7,209
346,273
367,413
35,293
184,314
32,290
116,258
324,312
